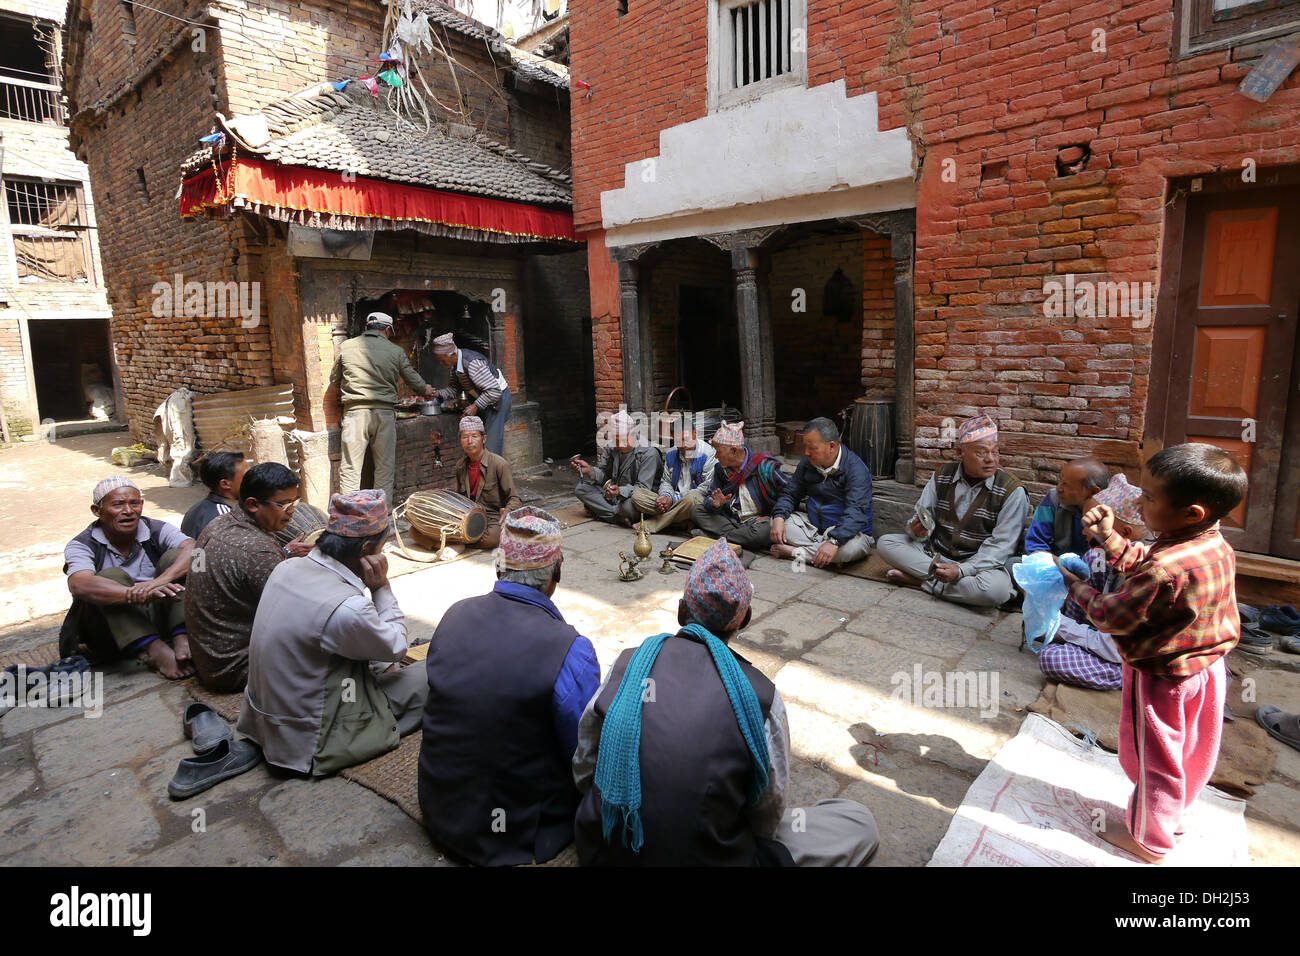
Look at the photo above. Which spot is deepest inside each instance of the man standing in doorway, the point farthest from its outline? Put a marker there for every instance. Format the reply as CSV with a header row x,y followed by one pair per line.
x,y
486,390
365,373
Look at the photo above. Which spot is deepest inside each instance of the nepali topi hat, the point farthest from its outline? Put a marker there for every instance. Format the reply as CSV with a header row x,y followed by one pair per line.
x,y
358,514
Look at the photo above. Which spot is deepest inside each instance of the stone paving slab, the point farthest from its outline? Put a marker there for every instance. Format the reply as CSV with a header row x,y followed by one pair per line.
x,y
910,600
234,845
127,732
332,819
100,820
17,773
781,583
1019,679
789,631
910,824
899,628
845,593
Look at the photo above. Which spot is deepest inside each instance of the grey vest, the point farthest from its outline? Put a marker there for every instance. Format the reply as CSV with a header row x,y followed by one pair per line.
x,y
294,705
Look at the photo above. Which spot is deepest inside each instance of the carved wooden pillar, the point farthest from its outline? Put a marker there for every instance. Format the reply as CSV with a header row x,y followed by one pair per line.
x,y
902,250
634,324
900,226
756,371
754,324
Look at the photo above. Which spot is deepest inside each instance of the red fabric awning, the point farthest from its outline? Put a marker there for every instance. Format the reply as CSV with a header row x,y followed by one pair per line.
x,y
271,186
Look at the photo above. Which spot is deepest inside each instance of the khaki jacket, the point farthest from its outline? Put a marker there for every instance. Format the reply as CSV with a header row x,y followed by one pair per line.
x,y
366,371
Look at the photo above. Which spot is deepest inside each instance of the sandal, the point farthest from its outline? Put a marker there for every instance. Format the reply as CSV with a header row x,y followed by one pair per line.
x,y
1279,724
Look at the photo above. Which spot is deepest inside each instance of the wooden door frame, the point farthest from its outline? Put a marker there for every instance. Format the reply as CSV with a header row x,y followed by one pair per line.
x,y
1180,192
1156,421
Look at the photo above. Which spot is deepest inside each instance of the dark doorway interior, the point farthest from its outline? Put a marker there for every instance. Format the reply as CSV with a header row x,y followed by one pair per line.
x,y
708,346
69,358
419,316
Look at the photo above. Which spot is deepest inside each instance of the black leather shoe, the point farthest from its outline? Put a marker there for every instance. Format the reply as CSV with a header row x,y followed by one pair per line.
x,y
228,759
204,726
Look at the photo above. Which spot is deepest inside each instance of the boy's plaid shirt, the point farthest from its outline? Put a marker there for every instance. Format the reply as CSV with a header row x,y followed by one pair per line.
x,y
1174,613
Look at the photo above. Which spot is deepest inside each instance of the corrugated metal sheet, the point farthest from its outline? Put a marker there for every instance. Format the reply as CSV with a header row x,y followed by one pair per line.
x,y
220,418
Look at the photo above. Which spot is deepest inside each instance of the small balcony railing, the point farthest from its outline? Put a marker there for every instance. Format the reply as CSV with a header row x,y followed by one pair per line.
x,y
31,102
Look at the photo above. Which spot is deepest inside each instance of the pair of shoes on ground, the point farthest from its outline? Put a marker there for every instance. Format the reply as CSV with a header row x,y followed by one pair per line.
x,y
1259,625
1279,618
218,755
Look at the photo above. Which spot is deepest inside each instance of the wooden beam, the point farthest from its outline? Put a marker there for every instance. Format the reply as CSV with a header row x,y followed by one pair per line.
x,y
1267,566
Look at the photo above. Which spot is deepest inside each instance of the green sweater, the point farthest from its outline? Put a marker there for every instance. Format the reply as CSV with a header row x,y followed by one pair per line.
x,y
366,372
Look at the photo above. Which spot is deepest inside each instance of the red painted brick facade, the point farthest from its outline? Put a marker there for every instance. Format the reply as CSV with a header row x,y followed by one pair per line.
x,y
984,86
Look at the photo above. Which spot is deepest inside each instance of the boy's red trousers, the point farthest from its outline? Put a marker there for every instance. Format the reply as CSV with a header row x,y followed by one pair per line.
x,y
1168,745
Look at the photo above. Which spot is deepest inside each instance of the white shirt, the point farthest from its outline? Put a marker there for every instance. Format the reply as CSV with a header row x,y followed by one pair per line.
x,y
1002,543
834,466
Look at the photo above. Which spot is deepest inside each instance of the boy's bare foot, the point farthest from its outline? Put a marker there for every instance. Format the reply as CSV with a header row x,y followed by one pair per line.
x,y
181,648
902,578
782,551
1122,839
158,655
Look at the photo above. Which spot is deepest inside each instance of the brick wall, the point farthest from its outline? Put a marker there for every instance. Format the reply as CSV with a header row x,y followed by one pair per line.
x,y
143,242
989,95
13,377
877,317
539,126
606,340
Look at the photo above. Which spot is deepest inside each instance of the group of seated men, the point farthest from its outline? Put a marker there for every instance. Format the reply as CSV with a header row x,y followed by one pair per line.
x,y
978,511
525,749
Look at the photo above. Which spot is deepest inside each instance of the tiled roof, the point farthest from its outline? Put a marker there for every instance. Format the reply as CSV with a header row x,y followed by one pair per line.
x,y
534,67
521,60
461,23
351,132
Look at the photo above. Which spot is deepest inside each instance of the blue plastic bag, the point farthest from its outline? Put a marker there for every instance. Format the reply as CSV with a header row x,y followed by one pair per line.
x,y
1045,592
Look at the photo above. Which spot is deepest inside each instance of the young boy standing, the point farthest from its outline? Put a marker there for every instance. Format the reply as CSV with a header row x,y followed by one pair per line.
x,y
1173,618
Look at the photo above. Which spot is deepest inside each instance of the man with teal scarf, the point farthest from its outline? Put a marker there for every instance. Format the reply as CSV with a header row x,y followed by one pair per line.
x,y
683,754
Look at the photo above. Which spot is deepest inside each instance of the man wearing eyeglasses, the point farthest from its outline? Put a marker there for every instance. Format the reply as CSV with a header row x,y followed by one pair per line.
x,y
236,553
979,513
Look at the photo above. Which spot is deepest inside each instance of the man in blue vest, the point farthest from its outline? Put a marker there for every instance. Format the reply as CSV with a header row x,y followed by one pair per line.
x,y
688,468
125,573
684,752
837,484
508,680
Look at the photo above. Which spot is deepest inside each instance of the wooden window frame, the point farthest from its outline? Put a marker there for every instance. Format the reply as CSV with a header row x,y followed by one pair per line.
x,y
1197,30
81,230
721,53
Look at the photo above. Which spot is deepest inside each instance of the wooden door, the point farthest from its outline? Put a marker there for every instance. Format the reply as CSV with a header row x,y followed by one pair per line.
x,y
1233,371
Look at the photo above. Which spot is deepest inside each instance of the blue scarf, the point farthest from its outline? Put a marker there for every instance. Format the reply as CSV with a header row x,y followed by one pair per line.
x,y
618,758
